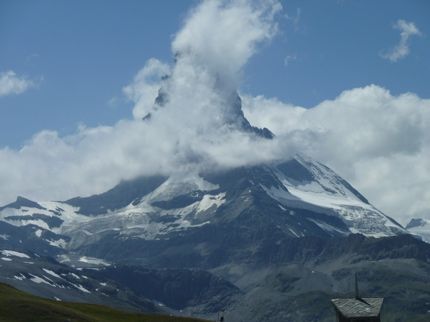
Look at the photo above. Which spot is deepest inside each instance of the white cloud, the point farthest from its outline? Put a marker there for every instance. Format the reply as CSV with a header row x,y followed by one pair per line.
x,y
220,36
145,86
401,50
200,124
288,59
378,142
11,83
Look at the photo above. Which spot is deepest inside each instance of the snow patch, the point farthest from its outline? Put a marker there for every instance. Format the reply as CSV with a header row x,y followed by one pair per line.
x,y
209,201
39,280
293,232
74,275
19,277
93,261
179,184
63,258
14,253
60,243
51,273
81,288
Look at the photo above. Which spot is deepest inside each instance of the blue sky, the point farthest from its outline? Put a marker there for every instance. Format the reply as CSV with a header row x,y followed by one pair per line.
x,y
81,54
344,82
85,52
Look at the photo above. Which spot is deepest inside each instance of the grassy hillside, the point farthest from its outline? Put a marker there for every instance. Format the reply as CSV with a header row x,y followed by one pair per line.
x,y
17,306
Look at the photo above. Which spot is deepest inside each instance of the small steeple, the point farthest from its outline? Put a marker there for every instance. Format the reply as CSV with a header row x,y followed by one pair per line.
x,y
357,295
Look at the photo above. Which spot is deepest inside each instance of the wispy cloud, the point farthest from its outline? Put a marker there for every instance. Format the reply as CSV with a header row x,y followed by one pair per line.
x,y
12,84
401,50
295,19
288,59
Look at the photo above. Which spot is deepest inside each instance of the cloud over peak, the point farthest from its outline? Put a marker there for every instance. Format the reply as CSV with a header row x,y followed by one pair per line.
x,y
196,114
376,140
210,50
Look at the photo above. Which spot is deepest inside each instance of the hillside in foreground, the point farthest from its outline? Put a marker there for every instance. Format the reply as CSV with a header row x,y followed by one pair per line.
x,y
17,306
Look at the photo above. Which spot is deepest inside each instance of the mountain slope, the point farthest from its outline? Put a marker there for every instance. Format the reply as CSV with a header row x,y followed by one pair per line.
x,y
46,277
17,306
296,198
245,240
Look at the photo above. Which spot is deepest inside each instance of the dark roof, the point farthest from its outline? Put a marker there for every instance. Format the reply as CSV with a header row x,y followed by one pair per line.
x,y
358,307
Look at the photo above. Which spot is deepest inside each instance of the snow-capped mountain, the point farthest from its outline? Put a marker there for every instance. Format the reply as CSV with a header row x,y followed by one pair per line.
x,y
420,227
297,198
250,241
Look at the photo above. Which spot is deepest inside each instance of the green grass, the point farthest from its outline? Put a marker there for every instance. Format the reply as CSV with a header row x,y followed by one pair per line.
x,y
17,306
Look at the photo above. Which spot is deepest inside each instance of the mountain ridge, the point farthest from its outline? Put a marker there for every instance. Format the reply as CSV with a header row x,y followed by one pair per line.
x,y
303,196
